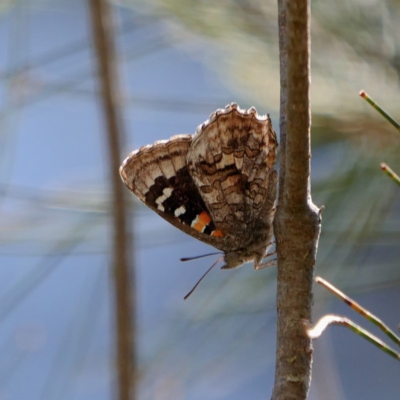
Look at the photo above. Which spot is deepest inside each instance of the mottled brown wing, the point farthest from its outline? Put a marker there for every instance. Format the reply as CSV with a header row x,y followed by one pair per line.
x,y
158,175
231,160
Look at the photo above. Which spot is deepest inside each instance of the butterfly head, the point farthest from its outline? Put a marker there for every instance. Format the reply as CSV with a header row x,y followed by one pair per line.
x,y
236,258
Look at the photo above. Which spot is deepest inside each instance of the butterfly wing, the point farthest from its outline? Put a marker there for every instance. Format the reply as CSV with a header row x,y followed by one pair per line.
x,y
158,175
231,160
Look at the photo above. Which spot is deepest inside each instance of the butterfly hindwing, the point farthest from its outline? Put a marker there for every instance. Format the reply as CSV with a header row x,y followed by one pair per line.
x,y
232,161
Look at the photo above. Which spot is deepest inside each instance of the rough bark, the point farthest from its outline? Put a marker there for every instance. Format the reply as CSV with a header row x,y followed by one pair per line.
x,y
123,272
297,222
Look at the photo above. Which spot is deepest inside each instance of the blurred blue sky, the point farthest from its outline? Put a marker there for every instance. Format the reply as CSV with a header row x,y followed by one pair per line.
x,y
56,302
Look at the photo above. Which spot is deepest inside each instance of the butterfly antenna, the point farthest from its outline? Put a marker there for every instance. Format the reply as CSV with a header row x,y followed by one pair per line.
x,y
198,282
196,257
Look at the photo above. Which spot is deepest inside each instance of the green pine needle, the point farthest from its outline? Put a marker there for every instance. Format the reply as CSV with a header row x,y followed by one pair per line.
x,y
378,108
327,320
388,171
358,308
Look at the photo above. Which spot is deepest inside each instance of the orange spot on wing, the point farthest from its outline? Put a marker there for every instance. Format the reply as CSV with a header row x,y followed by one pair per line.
x,y
198,226
201,221
217,233
204,218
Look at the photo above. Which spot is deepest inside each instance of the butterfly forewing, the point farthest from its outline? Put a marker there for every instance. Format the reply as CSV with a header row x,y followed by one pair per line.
x,y
158,176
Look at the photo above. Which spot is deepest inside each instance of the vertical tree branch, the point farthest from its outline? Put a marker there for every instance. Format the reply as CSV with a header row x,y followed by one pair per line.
x,y
283,94
297,221
123,276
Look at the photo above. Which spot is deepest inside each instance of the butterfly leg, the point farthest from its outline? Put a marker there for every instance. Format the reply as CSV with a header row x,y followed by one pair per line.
x,y
270,263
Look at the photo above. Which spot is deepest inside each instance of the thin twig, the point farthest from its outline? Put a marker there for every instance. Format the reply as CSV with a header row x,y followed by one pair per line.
x,y
103,36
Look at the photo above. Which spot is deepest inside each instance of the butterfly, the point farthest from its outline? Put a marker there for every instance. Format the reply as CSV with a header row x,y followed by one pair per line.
x,y
218,185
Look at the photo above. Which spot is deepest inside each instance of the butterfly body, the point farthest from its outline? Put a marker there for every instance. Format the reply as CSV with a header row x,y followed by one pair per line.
x,y
218,185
